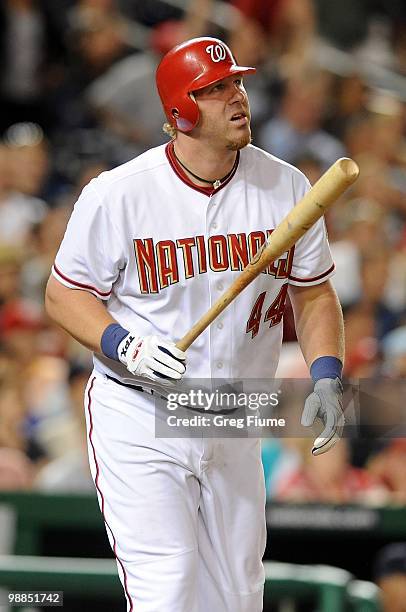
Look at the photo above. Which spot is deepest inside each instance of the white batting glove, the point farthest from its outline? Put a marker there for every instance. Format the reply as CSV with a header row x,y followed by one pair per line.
x,y
152,357
326,404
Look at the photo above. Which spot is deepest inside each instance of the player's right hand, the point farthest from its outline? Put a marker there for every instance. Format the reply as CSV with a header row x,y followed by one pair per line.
x,y
152,357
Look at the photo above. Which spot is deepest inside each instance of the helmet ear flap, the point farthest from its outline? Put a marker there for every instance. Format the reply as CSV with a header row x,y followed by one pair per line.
x,y
187,113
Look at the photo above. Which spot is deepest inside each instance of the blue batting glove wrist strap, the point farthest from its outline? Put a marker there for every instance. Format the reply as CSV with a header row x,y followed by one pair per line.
x,y
326,367
111,338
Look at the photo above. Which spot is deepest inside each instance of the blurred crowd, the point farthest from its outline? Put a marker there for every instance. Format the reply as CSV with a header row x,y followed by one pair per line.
x,y
77,96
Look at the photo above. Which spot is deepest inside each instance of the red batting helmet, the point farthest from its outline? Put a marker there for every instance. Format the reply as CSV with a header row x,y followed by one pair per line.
x,y
190,66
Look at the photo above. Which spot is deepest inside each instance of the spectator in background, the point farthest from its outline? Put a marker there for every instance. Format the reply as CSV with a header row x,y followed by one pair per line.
x,y
20,324
108,95
10,268
288,26
11,402
98,35
394,352
25,164
354,227
332,481
387,126
105,6
390,576
400,47
45,241
69,469
371,295
361,347
21,320
342,23
310,165
374,280
16,468
31,54
376,140
349,98
47,235
280,459
96,39
388,465
357,134
368,322
297,129
125,97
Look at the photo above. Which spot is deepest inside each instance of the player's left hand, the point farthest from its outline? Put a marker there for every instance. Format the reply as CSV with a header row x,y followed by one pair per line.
x,y
325,403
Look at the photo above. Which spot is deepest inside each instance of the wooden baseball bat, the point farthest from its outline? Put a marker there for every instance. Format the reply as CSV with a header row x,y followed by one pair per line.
x,y
296,223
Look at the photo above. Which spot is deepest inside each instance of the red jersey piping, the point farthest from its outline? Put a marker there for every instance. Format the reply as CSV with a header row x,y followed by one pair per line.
x,y
81,285
183,176
314,278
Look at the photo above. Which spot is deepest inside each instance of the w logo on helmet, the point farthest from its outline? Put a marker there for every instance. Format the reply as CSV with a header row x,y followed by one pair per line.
x,y
217,52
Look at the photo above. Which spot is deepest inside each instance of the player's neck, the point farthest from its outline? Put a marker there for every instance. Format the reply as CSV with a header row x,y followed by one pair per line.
x,y
202,165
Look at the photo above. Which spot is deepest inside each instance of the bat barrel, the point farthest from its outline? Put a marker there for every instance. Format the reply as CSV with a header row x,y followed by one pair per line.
x,y
348,167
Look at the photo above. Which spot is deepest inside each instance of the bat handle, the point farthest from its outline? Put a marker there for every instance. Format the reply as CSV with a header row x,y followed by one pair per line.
x,y
186,340
183,344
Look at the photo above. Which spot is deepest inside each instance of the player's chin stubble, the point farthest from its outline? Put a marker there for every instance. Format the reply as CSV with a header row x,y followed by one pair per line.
x,y
239,143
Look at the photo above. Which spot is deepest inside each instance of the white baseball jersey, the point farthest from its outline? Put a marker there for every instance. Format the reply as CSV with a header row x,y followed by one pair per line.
x,y
159,251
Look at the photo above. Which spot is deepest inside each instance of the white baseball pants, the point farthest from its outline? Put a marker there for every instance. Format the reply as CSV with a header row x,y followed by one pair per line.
x,y
185,517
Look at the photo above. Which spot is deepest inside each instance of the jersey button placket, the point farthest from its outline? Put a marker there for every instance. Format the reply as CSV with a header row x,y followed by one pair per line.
x,y
217,350
220,352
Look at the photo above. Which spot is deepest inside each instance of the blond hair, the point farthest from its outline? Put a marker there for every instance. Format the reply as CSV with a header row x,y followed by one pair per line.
x,y
169,129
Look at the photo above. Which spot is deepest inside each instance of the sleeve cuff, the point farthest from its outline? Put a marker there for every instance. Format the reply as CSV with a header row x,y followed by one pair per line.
x,y
311,280
72,284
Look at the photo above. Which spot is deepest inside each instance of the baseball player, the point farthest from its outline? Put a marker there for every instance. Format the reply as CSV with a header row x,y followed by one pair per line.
x,y
149,246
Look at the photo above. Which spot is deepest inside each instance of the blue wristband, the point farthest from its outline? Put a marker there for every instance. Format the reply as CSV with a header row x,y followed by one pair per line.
x,y
326,367
111,338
